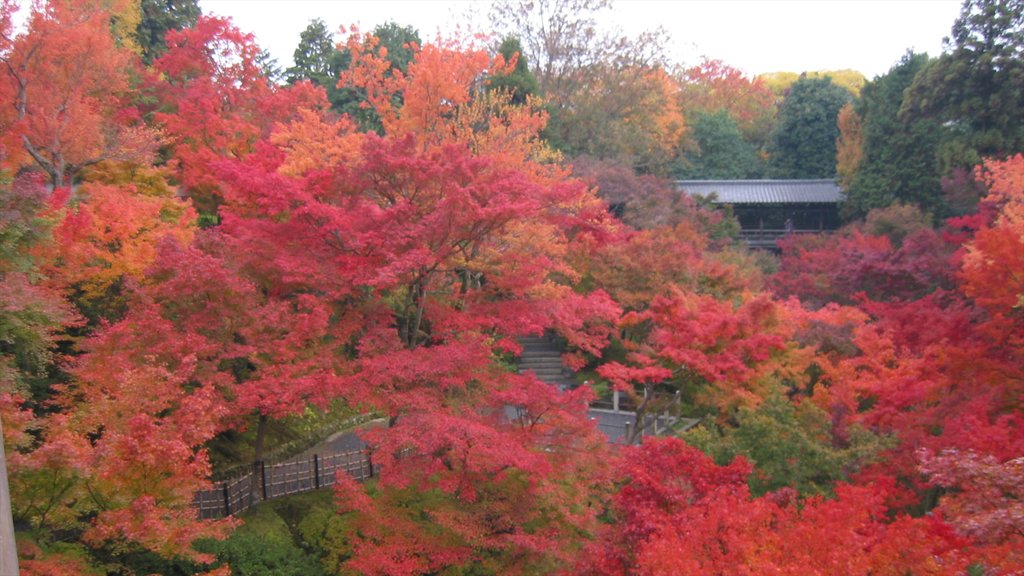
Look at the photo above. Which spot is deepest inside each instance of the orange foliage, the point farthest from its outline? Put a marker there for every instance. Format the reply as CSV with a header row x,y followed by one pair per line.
x,y
112,235
994,260
849,146
313,141
65,81
444,101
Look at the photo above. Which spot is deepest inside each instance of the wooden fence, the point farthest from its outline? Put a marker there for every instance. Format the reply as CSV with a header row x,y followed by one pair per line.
x,y
281,479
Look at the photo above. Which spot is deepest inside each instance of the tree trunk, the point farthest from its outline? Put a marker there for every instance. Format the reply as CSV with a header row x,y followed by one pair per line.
x,y
256,481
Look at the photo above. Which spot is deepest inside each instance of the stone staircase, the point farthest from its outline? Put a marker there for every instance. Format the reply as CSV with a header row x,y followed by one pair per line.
x,y
542,355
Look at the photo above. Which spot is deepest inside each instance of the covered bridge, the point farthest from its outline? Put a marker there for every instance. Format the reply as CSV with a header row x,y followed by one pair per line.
x,y
769,209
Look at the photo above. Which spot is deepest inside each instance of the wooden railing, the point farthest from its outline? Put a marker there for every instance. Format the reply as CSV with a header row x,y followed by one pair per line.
x,y
276,480
768,238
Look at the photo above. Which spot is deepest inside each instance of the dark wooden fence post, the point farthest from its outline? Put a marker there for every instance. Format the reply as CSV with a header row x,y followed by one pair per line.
x,y
227,500
316,471
263,475
369,461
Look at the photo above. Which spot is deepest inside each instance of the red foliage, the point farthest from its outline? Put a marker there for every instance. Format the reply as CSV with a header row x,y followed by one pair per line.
x,y
713,85
678,513
216,102
834,268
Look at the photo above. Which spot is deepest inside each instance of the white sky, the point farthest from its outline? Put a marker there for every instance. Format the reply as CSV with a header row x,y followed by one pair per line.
x,y
754,36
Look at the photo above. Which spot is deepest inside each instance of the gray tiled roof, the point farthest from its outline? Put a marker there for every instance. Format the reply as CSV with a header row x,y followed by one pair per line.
x,y
765,191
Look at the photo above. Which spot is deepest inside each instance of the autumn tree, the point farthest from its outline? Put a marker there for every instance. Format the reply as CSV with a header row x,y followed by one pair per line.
x,y
396,45
65,81
679,513
627,114
780,82
215,102
849,146
107,239
713,86
608,94
434,245
34,315
894,255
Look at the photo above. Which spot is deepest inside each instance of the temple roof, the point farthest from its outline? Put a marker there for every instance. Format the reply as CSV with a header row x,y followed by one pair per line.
x,y
765,191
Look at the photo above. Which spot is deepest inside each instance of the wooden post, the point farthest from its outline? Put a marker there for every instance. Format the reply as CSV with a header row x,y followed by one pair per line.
x,y
8,548
227,500
316,471
615,400
369,462
263,476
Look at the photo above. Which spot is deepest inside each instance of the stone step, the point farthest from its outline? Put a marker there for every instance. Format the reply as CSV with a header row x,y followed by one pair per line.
x,y
555,370
541,361
541,347
542,356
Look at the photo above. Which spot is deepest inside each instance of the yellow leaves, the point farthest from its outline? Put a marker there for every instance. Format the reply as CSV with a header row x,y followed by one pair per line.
x,y
849,146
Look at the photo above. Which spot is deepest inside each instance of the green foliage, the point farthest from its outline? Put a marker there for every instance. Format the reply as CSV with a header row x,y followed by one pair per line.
x,y
264,545
521,82
896,222
722,154
803,142
30,315
324,532
159,16
976,88
899,163
314,57
791,445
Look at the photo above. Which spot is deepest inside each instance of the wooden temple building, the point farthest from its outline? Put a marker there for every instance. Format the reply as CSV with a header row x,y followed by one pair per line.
x,y
769,209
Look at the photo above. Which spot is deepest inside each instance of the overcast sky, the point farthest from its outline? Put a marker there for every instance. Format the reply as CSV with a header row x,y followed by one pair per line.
x,y
755,36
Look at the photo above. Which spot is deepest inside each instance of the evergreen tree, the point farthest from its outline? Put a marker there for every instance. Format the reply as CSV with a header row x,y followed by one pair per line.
x,y
159,16
899,153
803,142
976,88
314,57
722,154
520,82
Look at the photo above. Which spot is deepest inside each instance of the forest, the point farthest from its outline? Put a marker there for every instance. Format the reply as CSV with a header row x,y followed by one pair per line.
x,y
206,259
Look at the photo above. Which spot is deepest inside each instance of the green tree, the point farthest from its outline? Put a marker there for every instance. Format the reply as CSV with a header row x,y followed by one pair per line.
x,y
803,142
315,56
791,445
159,16
976,88
899,152
722,153
520,83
